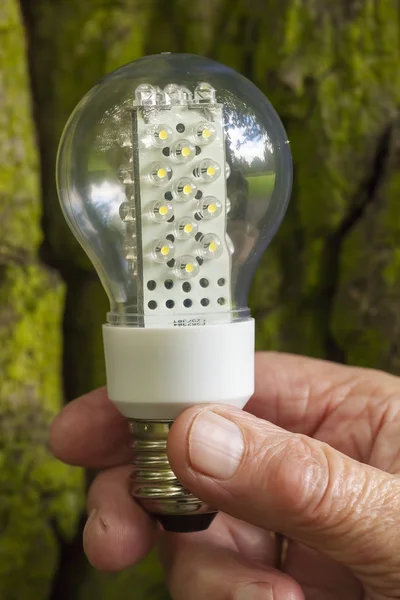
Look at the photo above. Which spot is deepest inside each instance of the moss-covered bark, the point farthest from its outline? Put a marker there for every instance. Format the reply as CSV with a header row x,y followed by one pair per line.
x,y
40,498
93,37
330,68
330,282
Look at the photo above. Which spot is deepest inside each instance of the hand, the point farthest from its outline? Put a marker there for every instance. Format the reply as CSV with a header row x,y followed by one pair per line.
x,y
316,458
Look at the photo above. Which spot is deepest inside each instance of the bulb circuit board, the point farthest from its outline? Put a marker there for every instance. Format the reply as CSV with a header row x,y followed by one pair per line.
x,y
176,206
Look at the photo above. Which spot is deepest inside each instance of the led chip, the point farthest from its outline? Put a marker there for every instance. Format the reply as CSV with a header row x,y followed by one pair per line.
x,y
207,170
161,135
160,173
174,94
210,247
208,208
185,189
163,251
186,267
162,212
146,95
204,93
205,133
185,228
183,151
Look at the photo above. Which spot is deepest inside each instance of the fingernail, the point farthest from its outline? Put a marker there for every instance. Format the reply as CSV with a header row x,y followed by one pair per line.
x,y
215,445
255,591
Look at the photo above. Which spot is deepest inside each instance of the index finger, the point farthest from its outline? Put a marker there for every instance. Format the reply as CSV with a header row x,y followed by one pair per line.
x,y
299,393
90,432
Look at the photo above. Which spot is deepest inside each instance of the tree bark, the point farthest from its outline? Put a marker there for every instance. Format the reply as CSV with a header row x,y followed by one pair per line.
x,y
71,45
40,499
329,284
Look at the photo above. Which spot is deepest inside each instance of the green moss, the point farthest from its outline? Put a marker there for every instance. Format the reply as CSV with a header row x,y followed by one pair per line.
x,y
365,319
367,349
391,231
92,39
19,209
95,38
40,499
391,271
37,493
32,302
331,74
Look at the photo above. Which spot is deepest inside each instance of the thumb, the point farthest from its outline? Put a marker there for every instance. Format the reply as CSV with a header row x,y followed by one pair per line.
x,y
291,484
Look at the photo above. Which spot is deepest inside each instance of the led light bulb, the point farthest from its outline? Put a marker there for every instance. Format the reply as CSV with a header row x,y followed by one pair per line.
x,y
146,165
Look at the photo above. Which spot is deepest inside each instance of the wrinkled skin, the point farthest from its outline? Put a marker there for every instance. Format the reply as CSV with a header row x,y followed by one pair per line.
x,y
320,465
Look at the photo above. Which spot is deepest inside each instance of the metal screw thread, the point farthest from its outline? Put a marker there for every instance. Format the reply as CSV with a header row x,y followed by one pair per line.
x,y
153,483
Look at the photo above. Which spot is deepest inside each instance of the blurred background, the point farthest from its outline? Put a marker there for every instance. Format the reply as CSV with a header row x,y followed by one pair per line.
x,y
329,285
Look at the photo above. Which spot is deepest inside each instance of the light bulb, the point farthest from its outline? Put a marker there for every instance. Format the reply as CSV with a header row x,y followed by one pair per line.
x,y
174,173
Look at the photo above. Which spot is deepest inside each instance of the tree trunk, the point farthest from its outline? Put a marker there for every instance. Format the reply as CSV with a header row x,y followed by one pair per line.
x,y
40,498
329,284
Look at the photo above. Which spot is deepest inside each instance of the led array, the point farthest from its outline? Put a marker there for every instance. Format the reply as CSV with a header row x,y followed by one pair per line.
x,y
181,193
208,246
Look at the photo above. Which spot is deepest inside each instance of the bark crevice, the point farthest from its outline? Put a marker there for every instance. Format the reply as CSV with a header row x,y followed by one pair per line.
x,y
367,194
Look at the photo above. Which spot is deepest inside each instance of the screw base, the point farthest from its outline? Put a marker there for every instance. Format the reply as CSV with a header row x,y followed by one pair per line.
x,y
155,486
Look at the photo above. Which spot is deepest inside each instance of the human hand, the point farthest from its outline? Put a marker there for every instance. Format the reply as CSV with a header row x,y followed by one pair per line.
x,y
316,458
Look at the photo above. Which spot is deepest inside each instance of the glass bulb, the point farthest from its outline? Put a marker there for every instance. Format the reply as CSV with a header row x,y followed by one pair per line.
x,y
174,173
243,137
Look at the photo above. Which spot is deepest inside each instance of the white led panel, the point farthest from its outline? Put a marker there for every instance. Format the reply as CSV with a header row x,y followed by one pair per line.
x,y
168,140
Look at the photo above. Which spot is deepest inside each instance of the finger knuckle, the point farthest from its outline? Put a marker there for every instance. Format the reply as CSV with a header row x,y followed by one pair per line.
x,y
297,471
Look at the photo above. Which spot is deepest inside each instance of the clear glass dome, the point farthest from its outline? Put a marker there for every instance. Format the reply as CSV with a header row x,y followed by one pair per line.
x,y
174,173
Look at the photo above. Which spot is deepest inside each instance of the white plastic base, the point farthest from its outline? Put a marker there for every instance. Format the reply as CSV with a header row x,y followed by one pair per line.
x,y
155,374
